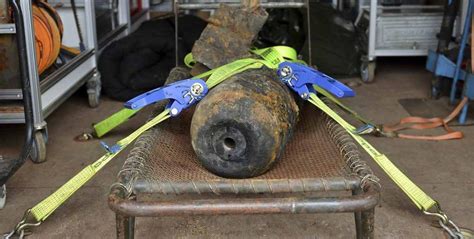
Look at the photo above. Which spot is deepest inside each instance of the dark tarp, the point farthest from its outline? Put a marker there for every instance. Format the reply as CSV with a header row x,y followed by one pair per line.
x,y
141,61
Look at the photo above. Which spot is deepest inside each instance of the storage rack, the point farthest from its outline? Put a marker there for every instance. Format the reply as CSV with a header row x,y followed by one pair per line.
x,y
214,4
48,94
405,30
55,88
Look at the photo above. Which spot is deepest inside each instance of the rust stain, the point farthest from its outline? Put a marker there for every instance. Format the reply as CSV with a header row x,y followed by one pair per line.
x,y
228,36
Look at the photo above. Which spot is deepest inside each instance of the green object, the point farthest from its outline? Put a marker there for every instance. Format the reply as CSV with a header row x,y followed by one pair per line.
x,y
46,207
418,197
113,121
272,56
41,211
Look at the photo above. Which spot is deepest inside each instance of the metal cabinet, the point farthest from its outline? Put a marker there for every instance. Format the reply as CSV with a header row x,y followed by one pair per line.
x,y
405,30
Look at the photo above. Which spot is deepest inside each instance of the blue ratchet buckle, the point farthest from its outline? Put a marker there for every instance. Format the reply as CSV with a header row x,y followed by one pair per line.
x,y
302,78
182,95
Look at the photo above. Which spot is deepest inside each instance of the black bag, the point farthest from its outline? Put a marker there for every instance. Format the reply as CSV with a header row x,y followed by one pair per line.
x,y
141,61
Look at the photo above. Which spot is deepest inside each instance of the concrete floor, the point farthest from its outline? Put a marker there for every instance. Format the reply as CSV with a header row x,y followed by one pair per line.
x,y
443,169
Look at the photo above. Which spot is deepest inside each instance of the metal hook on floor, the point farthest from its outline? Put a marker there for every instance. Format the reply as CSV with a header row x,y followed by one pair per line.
x,y
449,226
22,227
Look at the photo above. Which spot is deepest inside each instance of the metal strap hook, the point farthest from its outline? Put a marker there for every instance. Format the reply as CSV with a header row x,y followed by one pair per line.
x,y
448,225
22,226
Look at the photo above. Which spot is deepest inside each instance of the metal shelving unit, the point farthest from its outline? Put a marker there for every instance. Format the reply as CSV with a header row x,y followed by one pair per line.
x,y
116,20
50,91
54,89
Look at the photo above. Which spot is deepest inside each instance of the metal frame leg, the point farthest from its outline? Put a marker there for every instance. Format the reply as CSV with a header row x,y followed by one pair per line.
x,y
366,224
372,30
464,38
125,226
308,37
358,224
176,35
38,119
364,220
358,215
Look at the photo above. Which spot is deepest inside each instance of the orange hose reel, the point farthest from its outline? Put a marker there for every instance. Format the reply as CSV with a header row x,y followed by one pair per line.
x,y
48,34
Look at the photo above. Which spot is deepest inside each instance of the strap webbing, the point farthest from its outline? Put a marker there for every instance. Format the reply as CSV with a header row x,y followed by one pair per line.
x,y
46,207
417,196
113,121
420,123
342,106
272,56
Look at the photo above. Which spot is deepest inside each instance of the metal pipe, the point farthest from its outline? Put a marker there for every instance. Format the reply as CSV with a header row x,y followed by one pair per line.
x,y
27,9
7,171
465,34
308,37
176,7
407,7
195,6
225,206
248,186
372,29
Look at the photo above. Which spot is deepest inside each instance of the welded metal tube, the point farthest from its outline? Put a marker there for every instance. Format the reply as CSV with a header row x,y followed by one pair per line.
x,y
226,206
195,6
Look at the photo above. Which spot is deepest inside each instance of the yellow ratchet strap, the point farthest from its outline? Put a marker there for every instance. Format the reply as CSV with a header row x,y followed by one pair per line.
x,y
113,121
271,57
342,106
417,196
46,207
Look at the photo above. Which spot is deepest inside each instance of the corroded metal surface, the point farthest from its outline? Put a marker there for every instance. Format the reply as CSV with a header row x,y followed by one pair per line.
x,y
4,16
242,127
9,63
172,184
231,205
229,35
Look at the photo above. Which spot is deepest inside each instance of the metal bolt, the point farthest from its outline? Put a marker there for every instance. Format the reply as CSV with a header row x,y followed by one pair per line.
x,y
285,72
197,89
174,111
304,96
